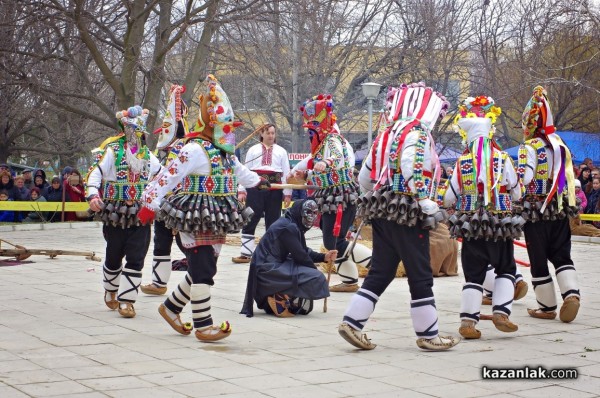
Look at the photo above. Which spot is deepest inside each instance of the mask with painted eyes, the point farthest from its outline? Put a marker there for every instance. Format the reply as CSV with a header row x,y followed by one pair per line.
x,y
309,213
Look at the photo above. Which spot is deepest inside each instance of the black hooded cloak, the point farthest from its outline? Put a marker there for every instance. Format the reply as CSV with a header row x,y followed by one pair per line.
x,y
282,263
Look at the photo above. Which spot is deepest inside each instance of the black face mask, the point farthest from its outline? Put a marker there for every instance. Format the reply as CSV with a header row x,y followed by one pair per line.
x,y
309,213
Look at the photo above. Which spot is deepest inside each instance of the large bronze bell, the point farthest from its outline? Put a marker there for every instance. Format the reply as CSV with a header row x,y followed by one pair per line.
x,y
403,204
428,223
413,209
466,229
452,220
475,221
485,220
392,206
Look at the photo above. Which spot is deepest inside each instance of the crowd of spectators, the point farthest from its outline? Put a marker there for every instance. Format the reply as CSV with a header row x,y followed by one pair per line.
x,y
32,185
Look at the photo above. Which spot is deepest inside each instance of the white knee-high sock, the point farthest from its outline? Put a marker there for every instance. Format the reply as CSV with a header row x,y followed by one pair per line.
x,y
424,317
128,287
504,291
361,255
200,296
110,279
470,304
248,245
567,281
161,270
346,268
544,293
180,296
362,305
488,282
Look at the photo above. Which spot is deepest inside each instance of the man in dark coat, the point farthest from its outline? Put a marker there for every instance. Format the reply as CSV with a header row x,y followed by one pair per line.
x,y
283,278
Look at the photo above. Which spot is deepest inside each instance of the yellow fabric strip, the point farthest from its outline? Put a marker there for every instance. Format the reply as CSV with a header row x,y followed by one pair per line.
x,y
43,206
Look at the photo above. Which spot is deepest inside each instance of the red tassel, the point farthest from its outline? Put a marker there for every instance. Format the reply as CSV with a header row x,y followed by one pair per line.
x,y
338,221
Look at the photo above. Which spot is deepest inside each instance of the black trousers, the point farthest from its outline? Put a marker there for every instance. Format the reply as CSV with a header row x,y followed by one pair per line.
x,y
202,264
548,241
328,221
476,254
163,240
393,243
130,243
267,203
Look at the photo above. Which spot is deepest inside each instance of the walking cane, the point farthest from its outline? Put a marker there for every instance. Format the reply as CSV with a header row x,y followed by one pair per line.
x,y
336,233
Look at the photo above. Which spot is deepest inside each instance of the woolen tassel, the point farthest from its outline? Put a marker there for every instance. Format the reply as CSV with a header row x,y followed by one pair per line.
x,y
338,221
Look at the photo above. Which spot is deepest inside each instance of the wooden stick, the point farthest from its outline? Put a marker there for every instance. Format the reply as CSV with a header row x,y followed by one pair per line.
x,y
293,186
330,266
250,136
22,253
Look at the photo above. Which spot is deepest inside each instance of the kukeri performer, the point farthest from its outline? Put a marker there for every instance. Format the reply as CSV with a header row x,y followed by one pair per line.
x,y
271,162
122,168
546,169
484,184
170,142
330,167
399,178
203,208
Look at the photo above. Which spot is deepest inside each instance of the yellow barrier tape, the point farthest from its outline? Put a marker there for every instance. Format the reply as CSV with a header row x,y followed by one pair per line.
x,y
43,206
589,217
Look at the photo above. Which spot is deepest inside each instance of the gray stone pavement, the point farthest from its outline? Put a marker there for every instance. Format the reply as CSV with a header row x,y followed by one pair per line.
x,y
57,338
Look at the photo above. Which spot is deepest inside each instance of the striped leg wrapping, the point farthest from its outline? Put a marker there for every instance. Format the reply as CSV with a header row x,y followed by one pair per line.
x,y
200,296
248,245
180,295
424,317
488,282
361,255
161,270
130,283
518,277
362,305
470,304
346,268
110,279
567,281
544,293
504,292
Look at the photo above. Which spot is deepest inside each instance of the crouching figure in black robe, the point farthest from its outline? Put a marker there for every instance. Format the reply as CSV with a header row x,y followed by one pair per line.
x,y
283,278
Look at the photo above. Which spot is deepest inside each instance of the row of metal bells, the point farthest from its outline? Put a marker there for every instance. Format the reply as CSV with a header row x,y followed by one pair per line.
x,y
204,214
118,213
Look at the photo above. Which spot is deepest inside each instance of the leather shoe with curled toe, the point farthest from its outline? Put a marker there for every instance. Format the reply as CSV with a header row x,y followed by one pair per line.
x,y
355,337
241,259
154,290
280,304
177,325
439,343
211,333
521,289
110,299
344,288
468,330
126,310
569,309
538,313
504,324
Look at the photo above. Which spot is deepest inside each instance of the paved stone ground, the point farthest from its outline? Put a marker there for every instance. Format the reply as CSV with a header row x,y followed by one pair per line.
x,y
57,338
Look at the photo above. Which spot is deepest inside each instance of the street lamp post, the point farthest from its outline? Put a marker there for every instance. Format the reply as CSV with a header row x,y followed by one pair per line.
x,y
371,91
